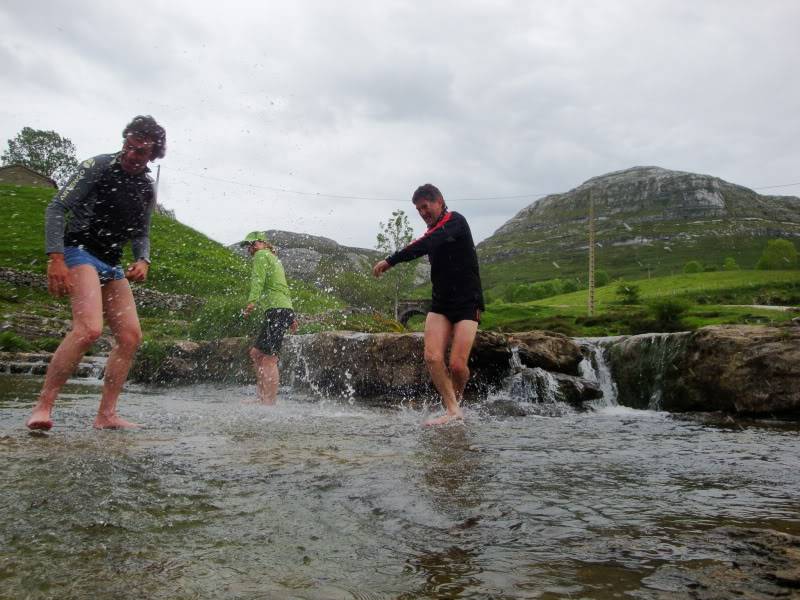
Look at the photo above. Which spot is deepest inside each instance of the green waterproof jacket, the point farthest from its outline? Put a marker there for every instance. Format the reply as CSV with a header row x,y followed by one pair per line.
x,y
268,288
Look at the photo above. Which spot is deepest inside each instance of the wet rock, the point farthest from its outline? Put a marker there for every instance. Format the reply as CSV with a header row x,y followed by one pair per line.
x,y
357,365
548,350
384,364
538,386
742,369
577,391
759,564
751,369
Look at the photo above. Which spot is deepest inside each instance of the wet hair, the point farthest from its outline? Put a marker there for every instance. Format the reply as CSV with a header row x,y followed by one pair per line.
x,y
145,126
428,192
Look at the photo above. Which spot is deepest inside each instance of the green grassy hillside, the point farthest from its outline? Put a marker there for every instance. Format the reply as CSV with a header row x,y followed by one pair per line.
x,y
184,260
710,299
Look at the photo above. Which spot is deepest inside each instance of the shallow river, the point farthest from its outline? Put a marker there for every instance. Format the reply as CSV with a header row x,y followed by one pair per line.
x,y
215,499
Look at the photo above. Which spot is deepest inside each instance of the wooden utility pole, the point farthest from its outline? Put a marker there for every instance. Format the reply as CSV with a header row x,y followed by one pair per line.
x,y
591,255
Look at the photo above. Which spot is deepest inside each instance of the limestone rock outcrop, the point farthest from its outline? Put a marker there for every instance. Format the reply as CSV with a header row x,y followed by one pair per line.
x,y
745,369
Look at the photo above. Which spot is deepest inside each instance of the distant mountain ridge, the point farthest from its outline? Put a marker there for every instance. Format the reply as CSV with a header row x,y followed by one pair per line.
x,y
649,220
315,259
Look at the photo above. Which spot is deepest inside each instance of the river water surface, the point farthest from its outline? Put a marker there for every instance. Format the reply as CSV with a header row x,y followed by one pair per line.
x,y
310,499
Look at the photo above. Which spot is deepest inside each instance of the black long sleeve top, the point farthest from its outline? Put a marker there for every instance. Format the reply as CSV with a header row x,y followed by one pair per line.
x,y
454,262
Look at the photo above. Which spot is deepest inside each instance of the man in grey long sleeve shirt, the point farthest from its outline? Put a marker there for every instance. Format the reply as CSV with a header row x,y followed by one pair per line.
x,y
107,203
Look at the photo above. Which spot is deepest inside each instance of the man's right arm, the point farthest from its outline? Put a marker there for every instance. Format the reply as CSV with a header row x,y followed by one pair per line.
x,y
69,197
452,226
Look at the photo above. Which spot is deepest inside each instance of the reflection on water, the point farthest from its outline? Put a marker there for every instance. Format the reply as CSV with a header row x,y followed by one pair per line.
x,y
325,500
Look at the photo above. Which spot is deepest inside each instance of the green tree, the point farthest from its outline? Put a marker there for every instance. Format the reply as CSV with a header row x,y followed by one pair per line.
x,y
393,235
693,266
730,264
779,254
43,151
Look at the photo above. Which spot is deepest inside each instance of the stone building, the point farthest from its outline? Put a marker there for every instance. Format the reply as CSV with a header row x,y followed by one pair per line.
x,y
22,175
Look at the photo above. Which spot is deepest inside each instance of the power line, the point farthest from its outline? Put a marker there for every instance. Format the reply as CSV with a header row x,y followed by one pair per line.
x,y
348,197
769,187
532,195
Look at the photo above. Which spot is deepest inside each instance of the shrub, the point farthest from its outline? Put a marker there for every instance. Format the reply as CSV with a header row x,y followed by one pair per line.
x,y
669,311
730,264
570,285
693,266
11,342
601,278
627,293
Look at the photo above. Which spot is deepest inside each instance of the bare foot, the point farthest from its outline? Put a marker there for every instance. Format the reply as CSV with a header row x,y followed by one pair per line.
x,y
40,419
443,420
113,422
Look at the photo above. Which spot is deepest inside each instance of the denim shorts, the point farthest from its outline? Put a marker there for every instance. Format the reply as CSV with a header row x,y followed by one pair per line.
x,y
75,256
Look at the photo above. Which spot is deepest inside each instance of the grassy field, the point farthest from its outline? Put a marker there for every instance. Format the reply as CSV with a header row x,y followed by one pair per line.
x,y
711,298
745,286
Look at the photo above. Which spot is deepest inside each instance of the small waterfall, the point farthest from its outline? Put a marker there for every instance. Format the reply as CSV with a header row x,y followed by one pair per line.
x,y
594,367
647,369
530,391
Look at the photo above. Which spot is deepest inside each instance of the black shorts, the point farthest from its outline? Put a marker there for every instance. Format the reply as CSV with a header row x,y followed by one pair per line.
x,y
454,315
276,322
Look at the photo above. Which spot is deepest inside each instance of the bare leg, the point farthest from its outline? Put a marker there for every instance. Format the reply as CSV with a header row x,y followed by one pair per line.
x,y
120,312
87,325
437,335
463,338
267,376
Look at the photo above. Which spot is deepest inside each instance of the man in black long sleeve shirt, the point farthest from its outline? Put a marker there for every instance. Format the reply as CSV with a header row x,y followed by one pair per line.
x,y
457,295
105,204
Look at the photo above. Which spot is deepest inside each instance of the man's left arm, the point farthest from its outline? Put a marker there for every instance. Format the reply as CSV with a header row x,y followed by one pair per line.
x,y
141,246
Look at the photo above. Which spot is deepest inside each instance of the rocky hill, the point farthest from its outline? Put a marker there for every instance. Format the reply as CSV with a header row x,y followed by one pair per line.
x,y
648,220
317,259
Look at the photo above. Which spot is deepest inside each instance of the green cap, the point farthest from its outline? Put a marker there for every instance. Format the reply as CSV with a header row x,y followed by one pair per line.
x,y
254,236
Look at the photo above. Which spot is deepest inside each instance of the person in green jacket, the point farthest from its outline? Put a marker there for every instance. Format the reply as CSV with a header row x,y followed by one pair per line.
x,y
269,294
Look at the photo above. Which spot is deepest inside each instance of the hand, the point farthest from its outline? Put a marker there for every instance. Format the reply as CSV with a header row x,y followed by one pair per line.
x,y
58,282
137,271
248,309
380,268
293,326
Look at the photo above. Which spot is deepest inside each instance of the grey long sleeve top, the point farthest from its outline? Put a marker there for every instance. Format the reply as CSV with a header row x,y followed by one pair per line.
x,y
106,206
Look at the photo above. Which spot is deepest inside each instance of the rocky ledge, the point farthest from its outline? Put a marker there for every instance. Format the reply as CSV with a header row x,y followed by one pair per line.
x,y
377,366
749,370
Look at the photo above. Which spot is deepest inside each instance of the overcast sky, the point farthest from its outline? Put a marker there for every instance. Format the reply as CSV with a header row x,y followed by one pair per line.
x,y
371,99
